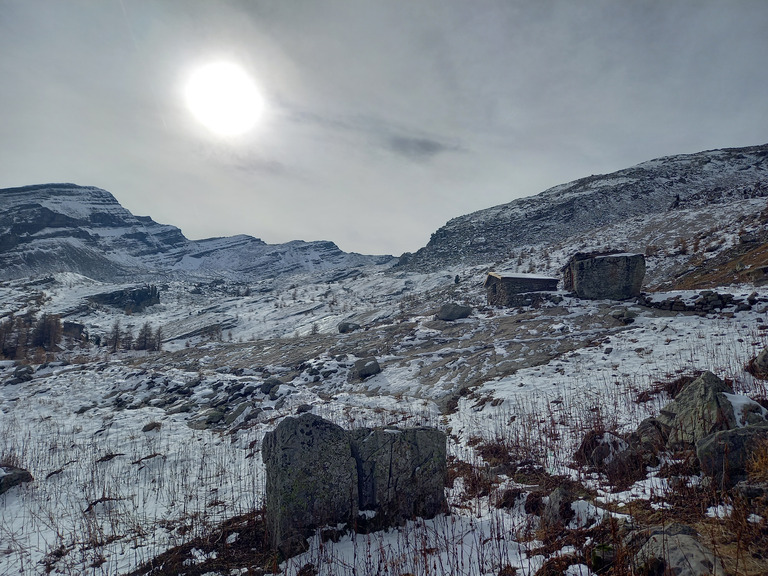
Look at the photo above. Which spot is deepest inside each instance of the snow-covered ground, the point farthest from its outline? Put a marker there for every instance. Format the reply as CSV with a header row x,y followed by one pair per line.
x,y
121,476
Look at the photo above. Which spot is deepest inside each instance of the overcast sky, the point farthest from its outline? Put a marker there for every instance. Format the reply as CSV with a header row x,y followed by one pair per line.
x,y
384,118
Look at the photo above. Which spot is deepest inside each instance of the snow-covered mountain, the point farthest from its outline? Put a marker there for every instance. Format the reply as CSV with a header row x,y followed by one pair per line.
x,y
684,183
69,228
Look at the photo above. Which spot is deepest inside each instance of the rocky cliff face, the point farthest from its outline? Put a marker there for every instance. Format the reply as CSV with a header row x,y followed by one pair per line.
x,y
69,228
683,182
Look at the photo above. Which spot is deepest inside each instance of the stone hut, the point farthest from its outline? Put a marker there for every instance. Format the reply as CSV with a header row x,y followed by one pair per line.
x,y
503,289
604,275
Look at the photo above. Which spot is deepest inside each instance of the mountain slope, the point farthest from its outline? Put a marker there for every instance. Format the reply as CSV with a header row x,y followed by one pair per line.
x,y
691,181
65,227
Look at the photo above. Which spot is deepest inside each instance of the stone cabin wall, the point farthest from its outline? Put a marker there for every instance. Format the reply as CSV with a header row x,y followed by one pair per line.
x,y
503,291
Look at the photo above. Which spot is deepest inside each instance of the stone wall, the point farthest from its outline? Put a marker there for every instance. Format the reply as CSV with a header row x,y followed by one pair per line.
x,y
503,290
319,474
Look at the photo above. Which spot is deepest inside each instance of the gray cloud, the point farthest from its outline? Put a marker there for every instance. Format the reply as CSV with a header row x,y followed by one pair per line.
x,y
418,149
418,102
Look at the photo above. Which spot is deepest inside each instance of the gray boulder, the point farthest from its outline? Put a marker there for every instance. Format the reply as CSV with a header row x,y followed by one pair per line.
x,y
558,511
401,473
621,461
651,436
320,475
347,327
759,364
11,476
724,455
452,311
674,549
311,480
365,368
605,276
270,384
700,409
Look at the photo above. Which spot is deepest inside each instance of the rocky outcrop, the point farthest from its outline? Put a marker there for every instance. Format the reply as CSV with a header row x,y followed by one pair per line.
x,y
11,476
451,311
347,327
320,475
605,276
700,409
725,455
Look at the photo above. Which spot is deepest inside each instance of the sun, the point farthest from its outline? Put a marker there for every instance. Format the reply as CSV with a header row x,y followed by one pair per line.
x,y
224,98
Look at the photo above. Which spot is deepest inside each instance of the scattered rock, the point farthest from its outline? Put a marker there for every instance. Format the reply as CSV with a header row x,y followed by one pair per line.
x,y
347,327
302,408
450,312
365,368
151,426
758,366
270,384
557,511
11,476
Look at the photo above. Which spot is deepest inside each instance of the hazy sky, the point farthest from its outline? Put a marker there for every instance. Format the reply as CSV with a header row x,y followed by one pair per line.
x,y
384,119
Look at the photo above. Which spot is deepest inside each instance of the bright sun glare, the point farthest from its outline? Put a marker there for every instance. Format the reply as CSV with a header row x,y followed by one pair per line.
x,y
224,98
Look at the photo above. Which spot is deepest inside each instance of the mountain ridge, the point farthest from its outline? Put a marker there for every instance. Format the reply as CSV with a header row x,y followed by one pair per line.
x,y
588,203
83,229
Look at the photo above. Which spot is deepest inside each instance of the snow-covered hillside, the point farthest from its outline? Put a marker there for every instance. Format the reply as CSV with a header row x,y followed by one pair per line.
x,y
704,182
137,452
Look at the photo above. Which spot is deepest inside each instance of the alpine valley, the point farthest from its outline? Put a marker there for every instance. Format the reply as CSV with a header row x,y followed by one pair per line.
x,y
140,371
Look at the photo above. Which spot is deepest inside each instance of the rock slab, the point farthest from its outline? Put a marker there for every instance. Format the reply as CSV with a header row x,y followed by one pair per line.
x,y
311,479
401,474
319,474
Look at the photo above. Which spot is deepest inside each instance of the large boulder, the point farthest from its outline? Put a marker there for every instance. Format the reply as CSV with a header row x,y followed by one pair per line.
x,y
700,409
311,480
320,475
674,549
758,366
452,311
347,327
605,276
401,473
11,476
365,368
724,455
621,461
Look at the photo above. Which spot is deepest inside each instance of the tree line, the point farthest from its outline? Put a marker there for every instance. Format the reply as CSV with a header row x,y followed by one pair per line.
x,y
120,338
22,335
27,336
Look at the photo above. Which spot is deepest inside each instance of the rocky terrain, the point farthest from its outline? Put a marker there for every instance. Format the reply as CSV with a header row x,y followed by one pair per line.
x,y
582,436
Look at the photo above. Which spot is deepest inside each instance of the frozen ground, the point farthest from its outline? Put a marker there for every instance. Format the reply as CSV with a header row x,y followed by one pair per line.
x,y
135,452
